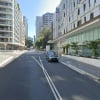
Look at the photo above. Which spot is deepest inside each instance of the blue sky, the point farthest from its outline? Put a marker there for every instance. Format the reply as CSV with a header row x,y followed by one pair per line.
x,y
33,8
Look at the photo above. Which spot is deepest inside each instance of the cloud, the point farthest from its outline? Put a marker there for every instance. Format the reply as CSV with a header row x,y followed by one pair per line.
x,y
49,6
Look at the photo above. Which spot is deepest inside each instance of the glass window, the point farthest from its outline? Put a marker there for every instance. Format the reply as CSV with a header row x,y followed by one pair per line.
x,y
91,16
84,7
78,11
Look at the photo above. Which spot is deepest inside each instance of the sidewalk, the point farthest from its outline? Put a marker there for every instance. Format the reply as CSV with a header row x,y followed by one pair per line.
x,y
7,57
86,66
94,62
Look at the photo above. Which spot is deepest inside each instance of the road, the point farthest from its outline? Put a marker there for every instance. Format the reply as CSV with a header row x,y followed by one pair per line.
x,y
31,77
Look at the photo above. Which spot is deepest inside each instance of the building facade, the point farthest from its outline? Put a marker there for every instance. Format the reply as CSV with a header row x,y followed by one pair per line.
x,y
47,20
25,22
56,24
11,25
79,21
39,25
44,21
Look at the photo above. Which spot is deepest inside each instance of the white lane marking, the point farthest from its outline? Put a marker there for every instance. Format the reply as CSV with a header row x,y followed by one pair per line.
x,y
8,60
59,96
80,71
50,82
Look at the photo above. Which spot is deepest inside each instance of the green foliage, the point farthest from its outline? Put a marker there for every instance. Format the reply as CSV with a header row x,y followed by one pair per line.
x,y
29,42
94,46
39,42
42,40
75,47
98,41
66,47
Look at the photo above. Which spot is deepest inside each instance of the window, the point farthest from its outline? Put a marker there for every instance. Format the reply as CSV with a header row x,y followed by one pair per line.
x,y
84,19
78,1
89,3
74,25
64,6
74,4
79,23
84,7
78,11
64,14
91,16
64,31
94,1
69,19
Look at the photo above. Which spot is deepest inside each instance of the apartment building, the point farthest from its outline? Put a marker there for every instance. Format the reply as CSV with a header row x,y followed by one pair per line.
x,y
39,25
25,22
11,25
56,24
79,21
47,20
44,21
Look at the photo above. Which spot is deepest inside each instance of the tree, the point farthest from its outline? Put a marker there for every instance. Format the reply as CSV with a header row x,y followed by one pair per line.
x,y
98,41
65,47
75,47
38,43
29,42
94,46
42,40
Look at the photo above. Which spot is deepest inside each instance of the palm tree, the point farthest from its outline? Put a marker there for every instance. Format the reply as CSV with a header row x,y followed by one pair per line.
x,y
94,46
75,47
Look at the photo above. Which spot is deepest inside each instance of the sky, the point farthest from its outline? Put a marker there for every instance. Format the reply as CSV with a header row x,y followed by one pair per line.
x,y
33,8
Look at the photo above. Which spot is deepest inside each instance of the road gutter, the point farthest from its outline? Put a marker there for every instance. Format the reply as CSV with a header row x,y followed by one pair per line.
x,y
8,60
95,78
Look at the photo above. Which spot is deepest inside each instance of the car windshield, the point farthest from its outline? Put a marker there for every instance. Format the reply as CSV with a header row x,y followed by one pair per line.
x,y
52,53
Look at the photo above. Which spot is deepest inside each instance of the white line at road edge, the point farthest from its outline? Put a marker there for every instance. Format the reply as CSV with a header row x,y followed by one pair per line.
x,y
50,82
80,71
8,60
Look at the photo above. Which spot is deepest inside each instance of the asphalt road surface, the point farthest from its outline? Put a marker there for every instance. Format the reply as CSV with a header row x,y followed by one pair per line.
x,y
32,77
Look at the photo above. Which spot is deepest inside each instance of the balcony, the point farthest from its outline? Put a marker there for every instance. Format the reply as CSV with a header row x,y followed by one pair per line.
x,y
5,35
6,12
5,24
3,40
5,18
6,29
6,4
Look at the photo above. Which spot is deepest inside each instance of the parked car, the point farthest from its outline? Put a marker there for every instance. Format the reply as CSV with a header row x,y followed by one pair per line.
x,y
52,56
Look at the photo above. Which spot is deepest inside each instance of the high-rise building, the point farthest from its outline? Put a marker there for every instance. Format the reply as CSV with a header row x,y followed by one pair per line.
x,y
47,20
11,25
39,25
79,21
44,21
56,24
25,22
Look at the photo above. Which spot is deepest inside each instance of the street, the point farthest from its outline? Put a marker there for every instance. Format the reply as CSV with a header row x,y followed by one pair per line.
x,y
32,77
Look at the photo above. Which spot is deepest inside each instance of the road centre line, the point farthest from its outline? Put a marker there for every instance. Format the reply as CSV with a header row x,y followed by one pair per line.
x,y
59,96
50,82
